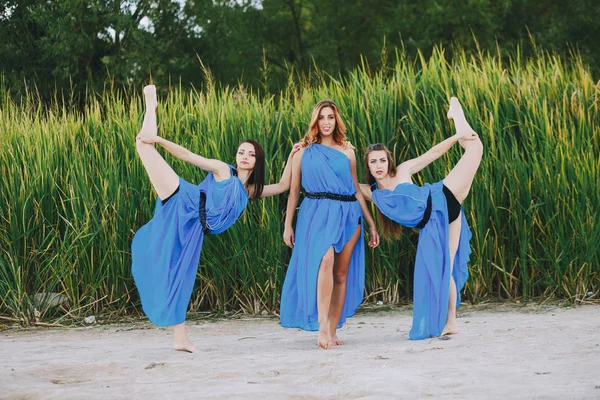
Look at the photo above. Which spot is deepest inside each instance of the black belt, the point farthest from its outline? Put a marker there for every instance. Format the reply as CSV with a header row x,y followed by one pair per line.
x,y
331,196
426,215
203,212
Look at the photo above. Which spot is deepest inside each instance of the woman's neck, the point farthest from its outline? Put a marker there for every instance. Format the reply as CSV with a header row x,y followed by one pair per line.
x,y
243,175
385,182
328,141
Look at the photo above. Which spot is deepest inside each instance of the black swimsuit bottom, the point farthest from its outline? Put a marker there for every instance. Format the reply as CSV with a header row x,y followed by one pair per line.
x,y
171,195
453,205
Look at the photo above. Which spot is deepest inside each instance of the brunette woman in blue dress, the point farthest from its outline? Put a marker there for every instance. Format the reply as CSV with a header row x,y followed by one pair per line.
x,y
443,250
166,250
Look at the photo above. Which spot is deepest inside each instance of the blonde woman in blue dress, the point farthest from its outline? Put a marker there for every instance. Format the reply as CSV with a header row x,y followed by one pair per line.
x,y
324,283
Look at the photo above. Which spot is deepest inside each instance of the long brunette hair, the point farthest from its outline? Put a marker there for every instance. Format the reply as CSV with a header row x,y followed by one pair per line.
x,y
257,176
389,228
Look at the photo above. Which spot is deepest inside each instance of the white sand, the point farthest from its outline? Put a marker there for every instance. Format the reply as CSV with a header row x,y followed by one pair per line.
x,y
502,352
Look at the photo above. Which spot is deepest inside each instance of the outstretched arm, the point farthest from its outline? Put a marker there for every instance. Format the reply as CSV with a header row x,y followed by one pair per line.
x,y
286,177
417,164
374,236
217,167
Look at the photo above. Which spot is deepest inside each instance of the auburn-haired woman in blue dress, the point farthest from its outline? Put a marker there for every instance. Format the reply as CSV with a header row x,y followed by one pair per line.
x,y
166,251
443,250
324,283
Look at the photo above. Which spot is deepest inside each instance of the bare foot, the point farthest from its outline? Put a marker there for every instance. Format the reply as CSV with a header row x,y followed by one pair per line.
x,y
186,346
450,329
182,342
149,131
455,109
456,113
324,340
150,96
335,341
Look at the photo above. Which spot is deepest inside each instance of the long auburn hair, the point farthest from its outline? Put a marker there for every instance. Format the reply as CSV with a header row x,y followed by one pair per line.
x,y
312,135
389,228
257,176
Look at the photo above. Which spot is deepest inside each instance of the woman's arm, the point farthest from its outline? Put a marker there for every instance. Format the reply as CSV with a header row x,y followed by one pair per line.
x,y
417,164
286,177
288,232
374,236
366,191
217,167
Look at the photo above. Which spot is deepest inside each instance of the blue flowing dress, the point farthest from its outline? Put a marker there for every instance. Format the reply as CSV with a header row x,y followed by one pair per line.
x,y
322,224
166,251
406,205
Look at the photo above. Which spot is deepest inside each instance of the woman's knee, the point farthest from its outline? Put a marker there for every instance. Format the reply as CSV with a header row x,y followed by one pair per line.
x,y
474,145
328,259
140,146
340,276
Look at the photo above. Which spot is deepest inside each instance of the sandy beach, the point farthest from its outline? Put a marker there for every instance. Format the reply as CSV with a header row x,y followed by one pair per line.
x,y
502,351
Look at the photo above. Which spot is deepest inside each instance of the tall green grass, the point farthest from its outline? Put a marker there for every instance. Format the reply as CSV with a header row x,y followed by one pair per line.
x,y
73,191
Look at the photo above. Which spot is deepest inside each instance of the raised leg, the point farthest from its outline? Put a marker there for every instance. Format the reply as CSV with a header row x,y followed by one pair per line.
x,y
460,179
164,180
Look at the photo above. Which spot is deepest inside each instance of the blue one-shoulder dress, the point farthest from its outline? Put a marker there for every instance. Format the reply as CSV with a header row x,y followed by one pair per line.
x,y
407,206
323,223
166,251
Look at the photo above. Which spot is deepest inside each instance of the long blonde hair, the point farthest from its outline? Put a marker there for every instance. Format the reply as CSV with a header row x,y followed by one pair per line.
x,y
389,228
339,133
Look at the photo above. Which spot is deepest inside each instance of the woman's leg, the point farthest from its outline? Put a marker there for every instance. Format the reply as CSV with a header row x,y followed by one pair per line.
x,y
324,290
460,179
165,181
459,182
340,274
454,237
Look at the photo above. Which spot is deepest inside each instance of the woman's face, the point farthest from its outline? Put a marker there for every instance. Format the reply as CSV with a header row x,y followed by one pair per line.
x,y
245,157
378,164
326,121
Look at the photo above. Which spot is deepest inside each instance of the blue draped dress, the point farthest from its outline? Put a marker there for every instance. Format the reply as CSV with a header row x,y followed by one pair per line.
x,y
166,251
406,205
322,223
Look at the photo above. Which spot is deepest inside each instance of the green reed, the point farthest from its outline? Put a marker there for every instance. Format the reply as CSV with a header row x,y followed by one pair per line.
x,y
73,191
